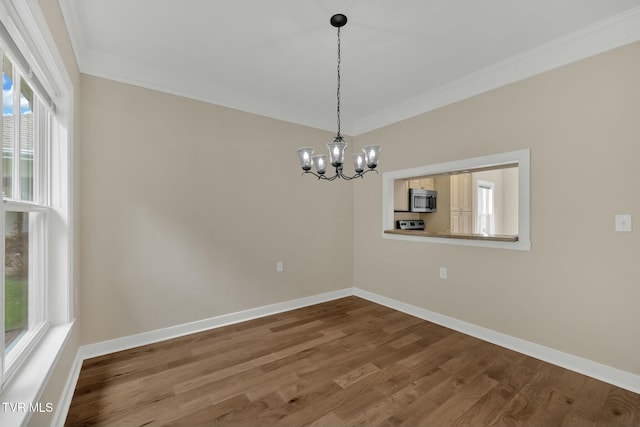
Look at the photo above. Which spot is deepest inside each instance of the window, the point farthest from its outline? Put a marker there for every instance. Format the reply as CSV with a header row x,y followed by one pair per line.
x,y
36,279
484,216
25,186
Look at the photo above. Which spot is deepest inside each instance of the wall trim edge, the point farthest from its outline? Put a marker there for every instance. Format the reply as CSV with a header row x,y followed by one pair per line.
x,y
124,343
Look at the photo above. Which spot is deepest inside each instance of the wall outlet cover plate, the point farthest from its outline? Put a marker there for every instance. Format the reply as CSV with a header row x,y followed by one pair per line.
x,y
623,222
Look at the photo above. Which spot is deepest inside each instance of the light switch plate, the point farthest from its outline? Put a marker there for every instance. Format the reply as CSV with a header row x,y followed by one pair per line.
x,y
623,222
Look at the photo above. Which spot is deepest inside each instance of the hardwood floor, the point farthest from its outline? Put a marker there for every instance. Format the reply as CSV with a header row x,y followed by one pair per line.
x,y
344,362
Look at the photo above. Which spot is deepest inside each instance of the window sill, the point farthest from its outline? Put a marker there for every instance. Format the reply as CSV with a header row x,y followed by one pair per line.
x,y
493,238
20,394
495,241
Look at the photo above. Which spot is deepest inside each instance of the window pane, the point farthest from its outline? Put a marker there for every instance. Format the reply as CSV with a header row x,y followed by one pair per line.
x,y
27,145
7,127
16,258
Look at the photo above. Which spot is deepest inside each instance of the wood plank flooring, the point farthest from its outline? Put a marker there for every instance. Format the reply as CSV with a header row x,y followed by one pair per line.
x,y
345,362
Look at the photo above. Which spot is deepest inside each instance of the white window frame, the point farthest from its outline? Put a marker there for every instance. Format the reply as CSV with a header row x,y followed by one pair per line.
x,y
38,319
29,29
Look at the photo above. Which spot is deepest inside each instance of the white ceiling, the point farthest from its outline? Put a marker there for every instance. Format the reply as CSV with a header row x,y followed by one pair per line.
x,y
399,58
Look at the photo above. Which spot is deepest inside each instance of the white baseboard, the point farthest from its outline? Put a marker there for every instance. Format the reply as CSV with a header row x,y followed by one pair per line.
x,y
592,369
601,372
67,393
131,341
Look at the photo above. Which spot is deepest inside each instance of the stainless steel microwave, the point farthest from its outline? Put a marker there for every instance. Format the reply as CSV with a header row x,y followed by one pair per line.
x,y
422,200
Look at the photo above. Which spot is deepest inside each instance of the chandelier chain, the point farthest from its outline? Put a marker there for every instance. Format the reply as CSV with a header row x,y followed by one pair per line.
x,y
338,91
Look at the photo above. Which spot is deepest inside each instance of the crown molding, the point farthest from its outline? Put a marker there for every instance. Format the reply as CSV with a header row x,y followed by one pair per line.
x,y
613,32
115,68
600,37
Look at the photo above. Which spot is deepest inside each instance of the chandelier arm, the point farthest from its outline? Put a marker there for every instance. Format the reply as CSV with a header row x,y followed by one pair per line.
x,y
324,177
339,174
349,178
327,178
358,175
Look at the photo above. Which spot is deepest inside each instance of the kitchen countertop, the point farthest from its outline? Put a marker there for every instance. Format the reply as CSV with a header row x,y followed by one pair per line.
x,y
493,237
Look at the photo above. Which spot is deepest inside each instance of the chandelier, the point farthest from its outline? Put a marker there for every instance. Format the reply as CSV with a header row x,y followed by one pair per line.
x,y
369,155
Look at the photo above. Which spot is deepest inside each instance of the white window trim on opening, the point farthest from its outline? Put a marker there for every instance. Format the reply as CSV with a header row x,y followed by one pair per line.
x,y
521,157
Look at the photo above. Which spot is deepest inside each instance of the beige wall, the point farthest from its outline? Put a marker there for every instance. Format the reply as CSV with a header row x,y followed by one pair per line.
x,y
578,289
187,207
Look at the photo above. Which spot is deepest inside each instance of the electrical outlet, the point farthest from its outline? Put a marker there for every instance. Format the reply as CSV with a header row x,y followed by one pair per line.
x,y
443,272
279,266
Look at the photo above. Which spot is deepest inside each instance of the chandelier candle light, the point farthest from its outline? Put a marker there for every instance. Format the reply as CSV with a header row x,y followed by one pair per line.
x,y
369,155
